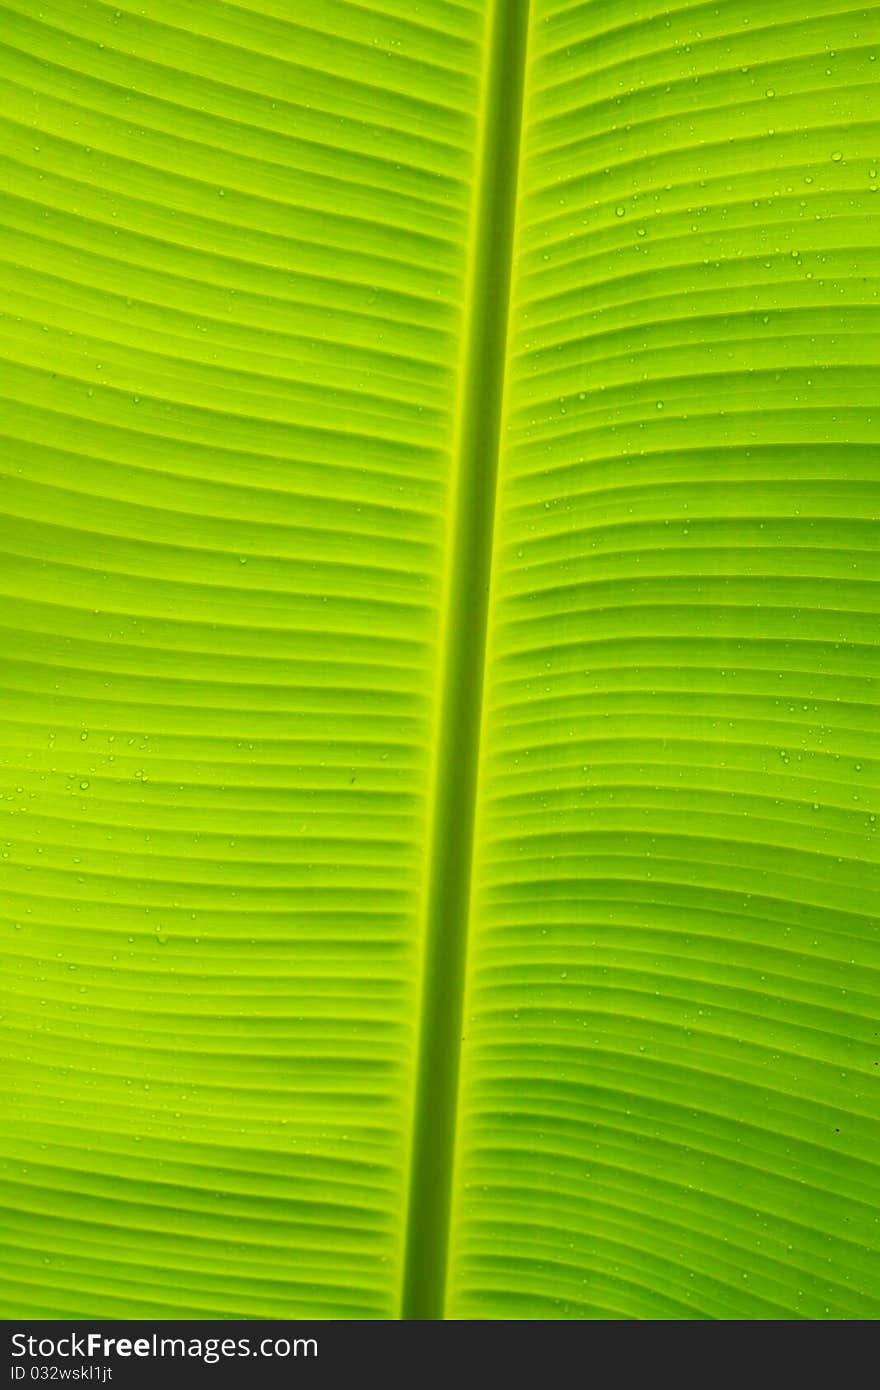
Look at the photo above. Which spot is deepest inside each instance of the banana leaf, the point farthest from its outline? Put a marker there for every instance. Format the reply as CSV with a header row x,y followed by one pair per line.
x,y
440,752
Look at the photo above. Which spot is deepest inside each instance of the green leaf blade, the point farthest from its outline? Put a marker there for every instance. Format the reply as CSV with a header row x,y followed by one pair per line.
x,y
235,257
418,903
669,1105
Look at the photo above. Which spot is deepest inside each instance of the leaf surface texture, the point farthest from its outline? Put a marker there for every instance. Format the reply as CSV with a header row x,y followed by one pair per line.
x,y
247,259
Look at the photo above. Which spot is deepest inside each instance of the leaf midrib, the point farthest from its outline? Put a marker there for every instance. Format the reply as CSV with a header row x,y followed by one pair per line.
x,y
463,658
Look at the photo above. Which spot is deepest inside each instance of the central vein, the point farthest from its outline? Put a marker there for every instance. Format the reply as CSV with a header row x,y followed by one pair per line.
x,y
464,657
